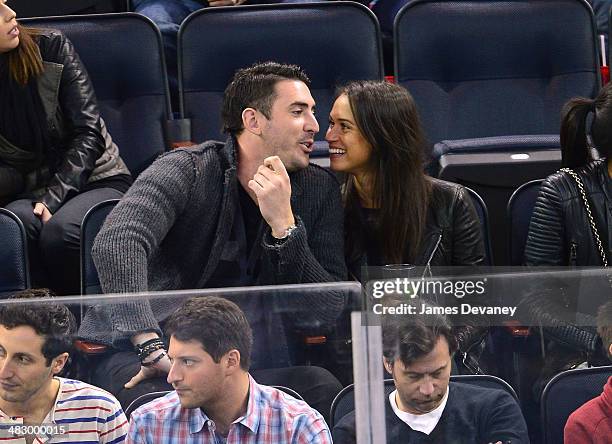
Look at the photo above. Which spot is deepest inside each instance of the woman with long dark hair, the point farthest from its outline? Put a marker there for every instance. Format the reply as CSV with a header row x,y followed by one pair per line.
x,y
56,158
561,231
571,226
394,213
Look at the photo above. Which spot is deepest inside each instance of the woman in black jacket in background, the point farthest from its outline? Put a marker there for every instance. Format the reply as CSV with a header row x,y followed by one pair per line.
x,y
562,233
56,158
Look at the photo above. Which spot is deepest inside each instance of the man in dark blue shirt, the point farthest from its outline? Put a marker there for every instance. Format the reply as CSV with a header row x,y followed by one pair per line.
x,y
426,407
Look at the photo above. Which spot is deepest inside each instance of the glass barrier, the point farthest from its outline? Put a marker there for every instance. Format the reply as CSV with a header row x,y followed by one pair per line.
x,y
521,327
301,338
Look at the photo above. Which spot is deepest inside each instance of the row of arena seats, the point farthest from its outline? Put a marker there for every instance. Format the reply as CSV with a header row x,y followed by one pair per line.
x,y
13,258
565,393
489,78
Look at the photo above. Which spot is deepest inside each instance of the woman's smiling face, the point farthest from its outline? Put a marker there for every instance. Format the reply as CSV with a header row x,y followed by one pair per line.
x,y
349,150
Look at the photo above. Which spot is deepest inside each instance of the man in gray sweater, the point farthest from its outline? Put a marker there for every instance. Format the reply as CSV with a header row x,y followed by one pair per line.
x,y
248,211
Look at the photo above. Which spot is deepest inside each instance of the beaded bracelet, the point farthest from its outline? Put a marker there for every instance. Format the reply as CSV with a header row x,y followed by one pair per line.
x,y
154,361
148,347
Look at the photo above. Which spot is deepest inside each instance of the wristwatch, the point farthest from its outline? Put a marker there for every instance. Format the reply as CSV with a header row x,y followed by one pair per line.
x,y
288,231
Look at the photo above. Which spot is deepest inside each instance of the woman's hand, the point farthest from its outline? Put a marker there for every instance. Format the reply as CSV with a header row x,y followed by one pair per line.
x,y
42,212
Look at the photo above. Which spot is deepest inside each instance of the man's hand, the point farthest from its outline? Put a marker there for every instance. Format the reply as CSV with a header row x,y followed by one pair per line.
x,y
42,212
272,187
225,2
160,368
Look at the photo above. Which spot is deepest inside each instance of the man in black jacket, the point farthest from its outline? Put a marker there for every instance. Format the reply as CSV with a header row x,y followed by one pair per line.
x,y
425,407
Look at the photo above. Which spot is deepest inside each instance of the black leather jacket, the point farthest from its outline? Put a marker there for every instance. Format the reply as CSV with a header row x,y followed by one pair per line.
x,y
452,234
87,152
559,232
452,237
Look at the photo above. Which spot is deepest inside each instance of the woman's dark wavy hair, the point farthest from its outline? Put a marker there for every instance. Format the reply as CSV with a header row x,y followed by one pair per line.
x,y
25,61
387,117
575,146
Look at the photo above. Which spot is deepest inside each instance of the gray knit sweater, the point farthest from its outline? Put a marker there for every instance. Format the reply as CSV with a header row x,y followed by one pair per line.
x,y
169,230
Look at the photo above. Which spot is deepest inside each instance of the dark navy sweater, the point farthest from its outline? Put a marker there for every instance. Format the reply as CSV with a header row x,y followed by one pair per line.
x,y
473,415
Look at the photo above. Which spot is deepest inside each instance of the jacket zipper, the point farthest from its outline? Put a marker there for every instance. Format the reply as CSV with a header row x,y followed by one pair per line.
x,y
433,252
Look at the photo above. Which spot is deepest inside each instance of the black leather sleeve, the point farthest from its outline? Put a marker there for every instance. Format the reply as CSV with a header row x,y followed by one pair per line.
x,y
550,302
82,143
468,246
546,231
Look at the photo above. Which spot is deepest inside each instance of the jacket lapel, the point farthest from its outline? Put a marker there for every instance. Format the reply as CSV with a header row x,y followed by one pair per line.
x,y
228,208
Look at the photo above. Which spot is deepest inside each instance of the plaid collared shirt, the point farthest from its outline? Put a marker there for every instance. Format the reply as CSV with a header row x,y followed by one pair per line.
x,y
272,417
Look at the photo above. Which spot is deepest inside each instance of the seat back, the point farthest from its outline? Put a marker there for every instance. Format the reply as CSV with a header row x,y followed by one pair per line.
x,y
494,167
564,394
142,400
519,211
37,8
495,68
148,397
483,216
344,402
92,222
289,391
14,272
333,42
125,61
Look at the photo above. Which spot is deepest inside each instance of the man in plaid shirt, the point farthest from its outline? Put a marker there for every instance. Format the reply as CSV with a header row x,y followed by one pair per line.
x,y
215,399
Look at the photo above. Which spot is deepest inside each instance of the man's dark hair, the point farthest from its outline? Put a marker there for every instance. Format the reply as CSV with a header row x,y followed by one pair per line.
x,y
218,324
604,326
412,336
53,321
253,87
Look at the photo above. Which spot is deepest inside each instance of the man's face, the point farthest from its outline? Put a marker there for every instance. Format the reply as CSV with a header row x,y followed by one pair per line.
x,y
23,370
289,133
197,379
421,386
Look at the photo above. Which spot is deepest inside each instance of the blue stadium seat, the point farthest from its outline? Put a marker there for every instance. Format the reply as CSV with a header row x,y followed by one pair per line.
x,y
334,42
37,8
495,68
92,222
148,397
520,208
344,402
14,273
489,79
564,394
125,61
494,167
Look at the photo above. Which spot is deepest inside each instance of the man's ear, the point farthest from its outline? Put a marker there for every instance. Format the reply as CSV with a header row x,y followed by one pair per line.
x,y
232,361
610,350
251,120
388,366
58,363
